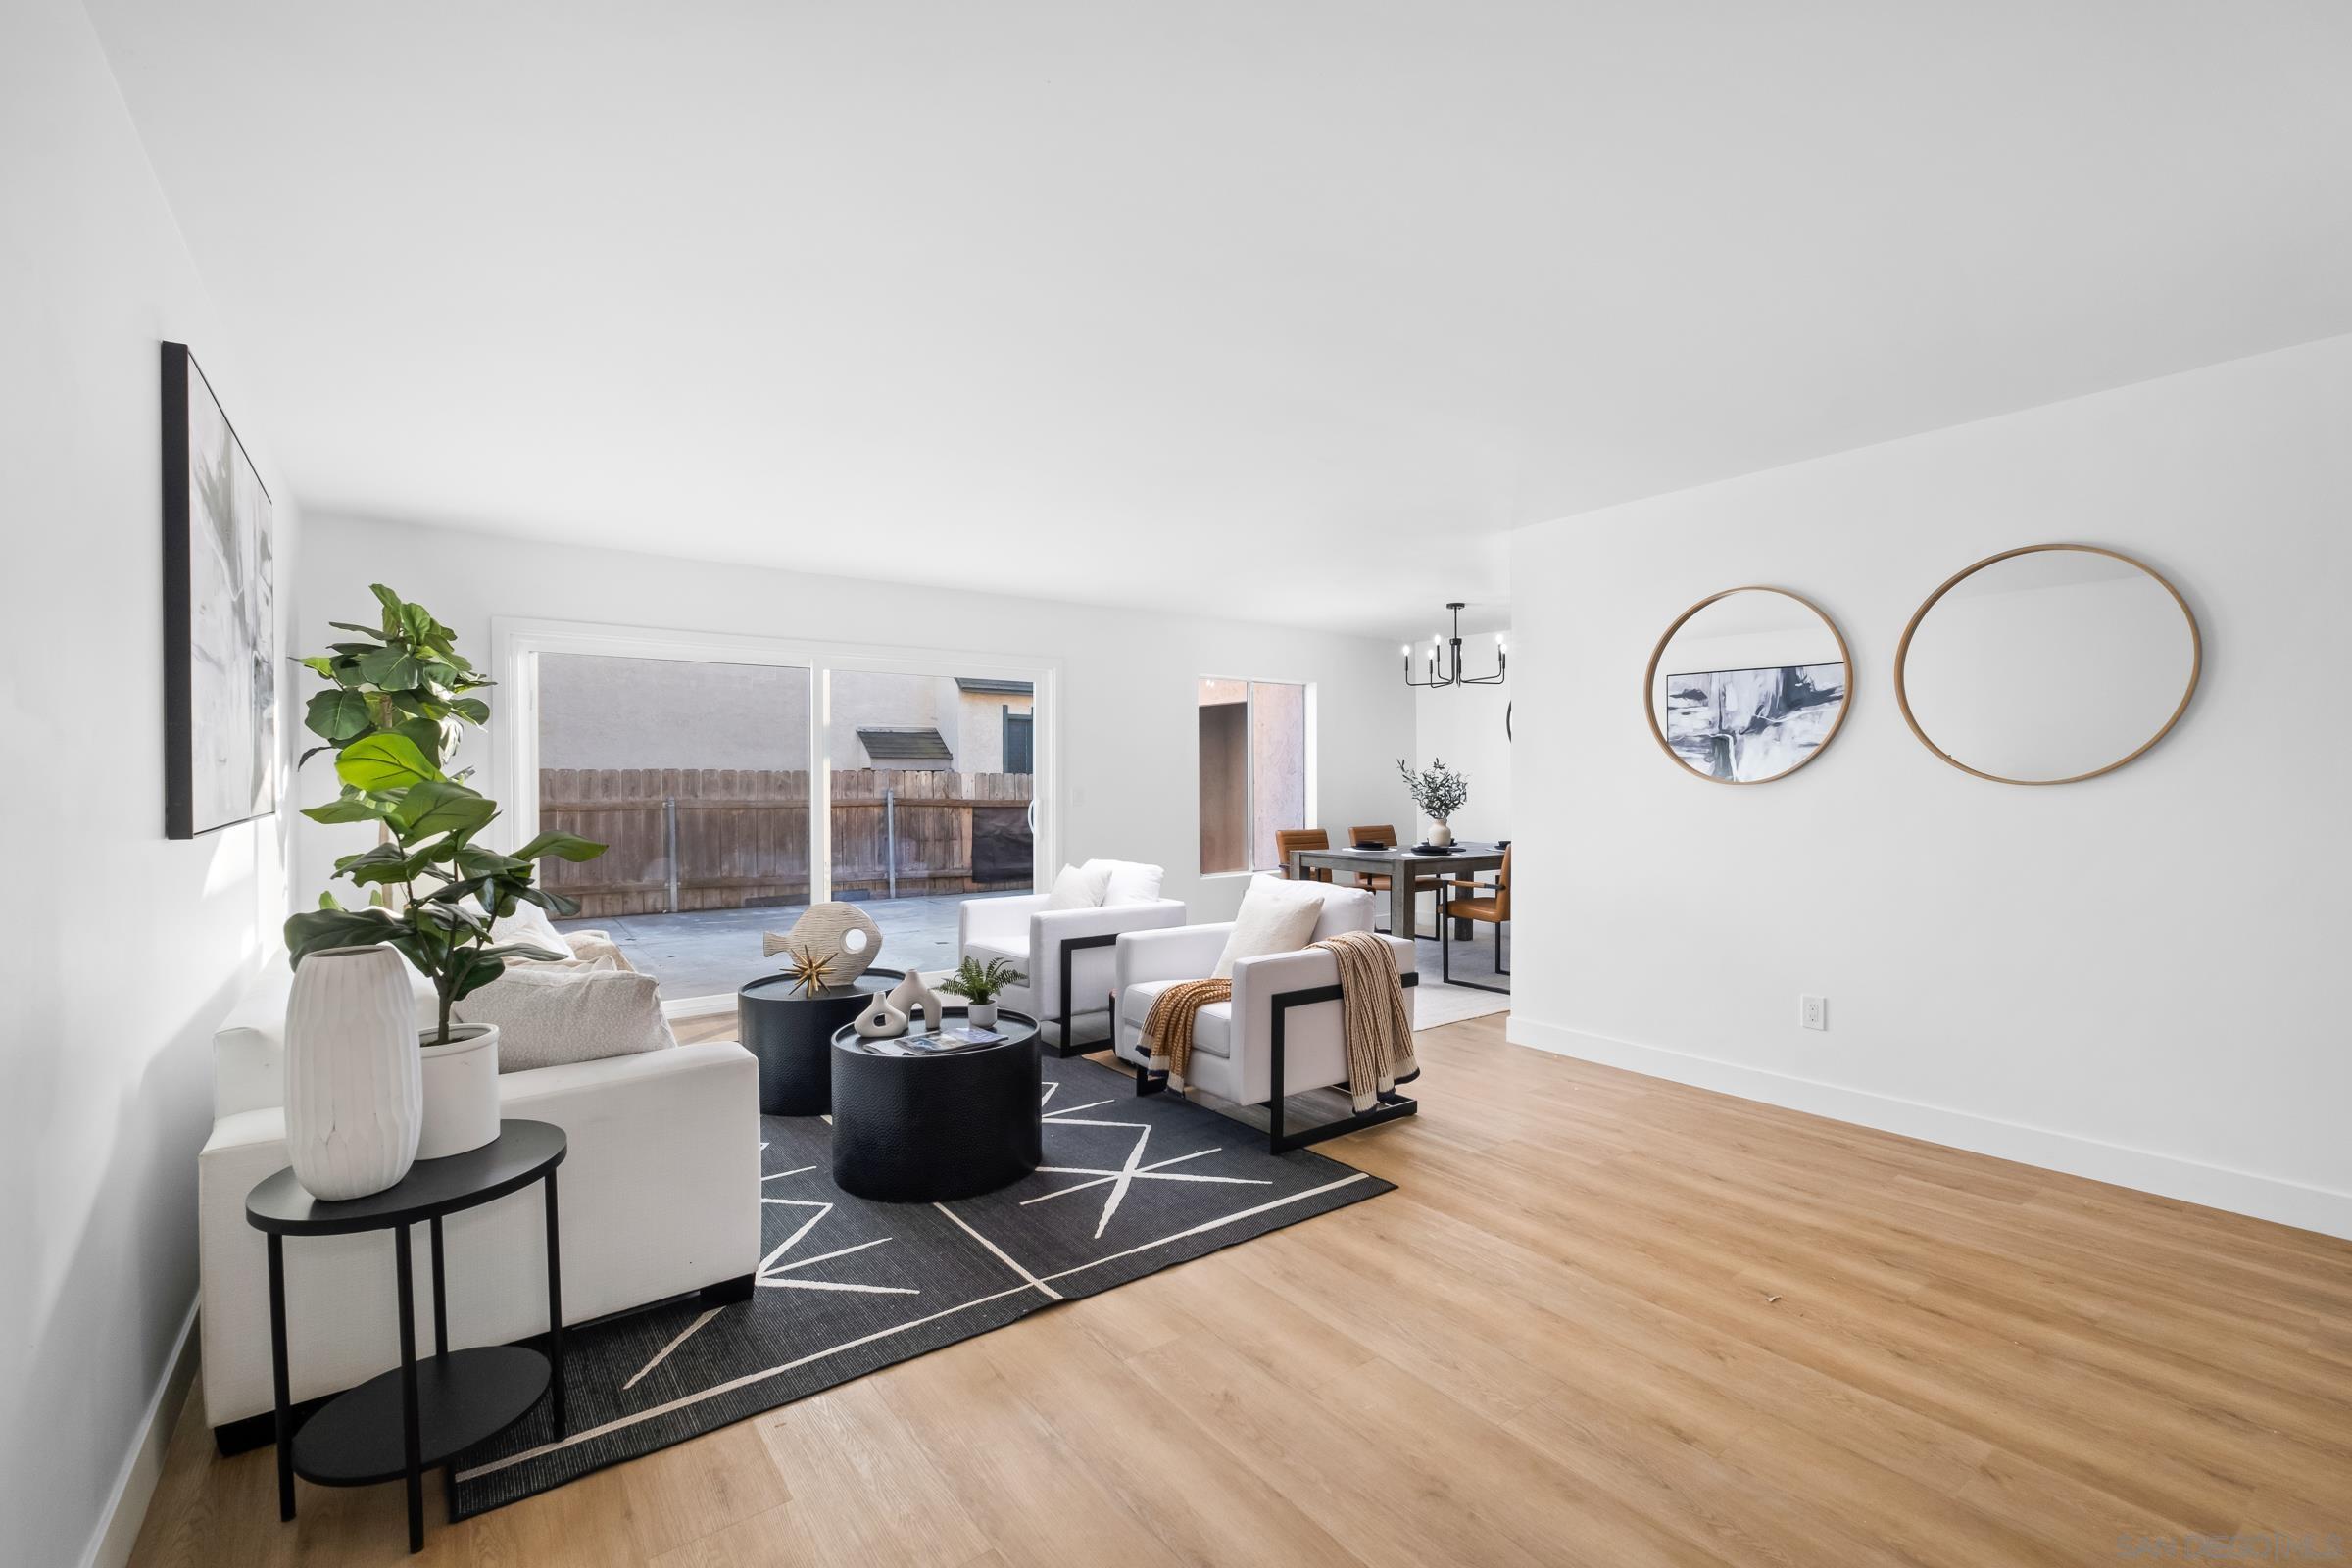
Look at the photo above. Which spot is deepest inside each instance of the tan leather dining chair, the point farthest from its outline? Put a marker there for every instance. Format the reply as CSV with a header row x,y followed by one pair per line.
x,y
1492,904
1287,839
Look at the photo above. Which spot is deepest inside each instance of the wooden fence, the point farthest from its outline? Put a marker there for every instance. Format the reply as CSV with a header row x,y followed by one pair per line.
x,y
741,835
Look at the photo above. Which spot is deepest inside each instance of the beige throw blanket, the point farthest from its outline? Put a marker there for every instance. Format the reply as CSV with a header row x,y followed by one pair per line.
x,y
1379,1018
1376,1019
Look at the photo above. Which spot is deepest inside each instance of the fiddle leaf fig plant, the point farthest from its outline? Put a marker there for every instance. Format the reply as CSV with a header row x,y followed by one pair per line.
x,y
392,716
406,679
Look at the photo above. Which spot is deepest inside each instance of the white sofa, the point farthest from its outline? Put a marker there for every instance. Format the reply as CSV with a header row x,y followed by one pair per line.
x,y
660,1197
1066,954
1233,1042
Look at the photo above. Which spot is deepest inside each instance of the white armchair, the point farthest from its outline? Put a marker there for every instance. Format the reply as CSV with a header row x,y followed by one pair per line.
x,y
1283,1026
1066,954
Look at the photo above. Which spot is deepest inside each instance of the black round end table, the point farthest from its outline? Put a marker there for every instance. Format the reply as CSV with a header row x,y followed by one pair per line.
x,y
925,1127
400,1423
789,1032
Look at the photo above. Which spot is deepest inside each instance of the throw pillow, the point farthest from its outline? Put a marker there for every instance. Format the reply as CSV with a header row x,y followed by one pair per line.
x,y
1131,881
550,1014
1079,888
1276,916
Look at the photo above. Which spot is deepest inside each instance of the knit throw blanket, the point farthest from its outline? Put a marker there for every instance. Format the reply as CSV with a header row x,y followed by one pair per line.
x,y
1376,1020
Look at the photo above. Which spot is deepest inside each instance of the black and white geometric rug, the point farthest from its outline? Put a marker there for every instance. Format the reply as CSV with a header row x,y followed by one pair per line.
x,y
847,1286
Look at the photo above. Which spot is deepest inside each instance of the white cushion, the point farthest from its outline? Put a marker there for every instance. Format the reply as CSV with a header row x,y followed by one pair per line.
x,y
1131,881
1080,887
551,1014
1213,1030
1276,916
528,923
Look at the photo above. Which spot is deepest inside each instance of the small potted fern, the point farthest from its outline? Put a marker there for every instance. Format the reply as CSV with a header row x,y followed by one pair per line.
x,y
980,983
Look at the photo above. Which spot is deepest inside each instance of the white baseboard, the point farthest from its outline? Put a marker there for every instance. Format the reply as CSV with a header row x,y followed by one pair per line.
x,y
143,1466
2270,1197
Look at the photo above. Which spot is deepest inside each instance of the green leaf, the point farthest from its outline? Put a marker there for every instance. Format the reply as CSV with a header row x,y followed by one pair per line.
x,y
564,846
372,632
478,970
385,762
425,733
350,808
443,808
321,929
318,664
394,668
472,861
388,598
472,707
338,715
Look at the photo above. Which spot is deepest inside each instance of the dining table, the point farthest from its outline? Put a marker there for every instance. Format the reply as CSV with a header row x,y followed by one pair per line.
x,y
1404,866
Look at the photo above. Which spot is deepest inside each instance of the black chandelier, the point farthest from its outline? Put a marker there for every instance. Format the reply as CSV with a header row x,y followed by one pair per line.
x,y
1443,666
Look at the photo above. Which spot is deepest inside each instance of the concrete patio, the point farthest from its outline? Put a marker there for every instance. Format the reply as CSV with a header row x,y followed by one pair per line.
x,y
705,952
702,953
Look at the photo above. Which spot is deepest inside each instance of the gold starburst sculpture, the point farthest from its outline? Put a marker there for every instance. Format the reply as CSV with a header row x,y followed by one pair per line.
x,y
808,971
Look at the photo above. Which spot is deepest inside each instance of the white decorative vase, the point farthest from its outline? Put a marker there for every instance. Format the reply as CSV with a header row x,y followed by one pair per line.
x,y
880,1020
1441,833
980,1014
910,994
461,1091
355,1103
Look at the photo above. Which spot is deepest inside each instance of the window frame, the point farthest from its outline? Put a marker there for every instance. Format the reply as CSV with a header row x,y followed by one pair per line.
x,y
1310,793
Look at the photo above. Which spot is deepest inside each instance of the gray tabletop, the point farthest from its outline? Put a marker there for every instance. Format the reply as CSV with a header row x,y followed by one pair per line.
x,y
1403,865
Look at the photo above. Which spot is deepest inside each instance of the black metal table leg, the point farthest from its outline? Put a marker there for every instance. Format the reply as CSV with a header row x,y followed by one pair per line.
x,y
412,1436
555,1308
440,1296
284,1410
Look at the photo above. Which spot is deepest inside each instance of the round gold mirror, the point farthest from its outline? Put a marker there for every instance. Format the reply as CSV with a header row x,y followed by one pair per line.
x,y
2048,664
1748,685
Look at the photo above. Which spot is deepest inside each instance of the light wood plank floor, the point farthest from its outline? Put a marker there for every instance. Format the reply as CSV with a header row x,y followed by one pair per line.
x,y
1606,1320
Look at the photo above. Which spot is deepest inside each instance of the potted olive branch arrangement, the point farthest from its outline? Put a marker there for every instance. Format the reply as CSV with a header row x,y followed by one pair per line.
x,y
1439,793
980,985
395,710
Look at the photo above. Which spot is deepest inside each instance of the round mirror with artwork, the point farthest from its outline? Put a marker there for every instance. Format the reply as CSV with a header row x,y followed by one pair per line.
x,y
2048,664
1748,686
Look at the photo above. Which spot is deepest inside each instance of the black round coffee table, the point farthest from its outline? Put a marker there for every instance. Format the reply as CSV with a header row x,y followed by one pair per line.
x,y
400,1423
924,1128
789,1032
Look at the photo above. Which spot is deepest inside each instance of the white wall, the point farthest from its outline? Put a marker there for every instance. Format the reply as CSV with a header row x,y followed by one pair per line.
x,y
1463,724
1129,682
2135,978
123,947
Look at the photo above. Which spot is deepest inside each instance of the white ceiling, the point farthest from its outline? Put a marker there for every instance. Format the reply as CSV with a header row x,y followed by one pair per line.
x,y
1287,310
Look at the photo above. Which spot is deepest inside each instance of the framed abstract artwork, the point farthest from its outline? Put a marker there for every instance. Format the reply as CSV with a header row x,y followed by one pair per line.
x,y
1748,685
219,616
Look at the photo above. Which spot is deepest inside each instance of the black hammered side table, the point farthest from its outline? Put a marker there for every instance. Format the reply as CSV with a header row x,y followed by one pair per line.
x,y
927,1128
396,1425
789,1032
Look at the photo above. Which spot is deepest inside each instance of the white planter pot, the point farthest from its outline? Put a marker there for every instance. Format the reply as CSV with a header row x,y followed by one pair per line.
x,y
1441,834
354,1105
980,1014
461,1092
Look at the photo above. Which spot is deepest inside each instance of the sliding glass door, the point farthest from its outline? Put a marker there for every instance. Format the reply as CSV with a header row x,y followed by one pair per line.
x,y
697,776
739,780
934,797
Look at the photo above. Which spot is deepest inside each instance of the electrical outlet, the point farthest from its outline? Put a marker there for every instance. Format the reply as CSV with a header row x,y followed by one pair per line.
x,y
1813,1011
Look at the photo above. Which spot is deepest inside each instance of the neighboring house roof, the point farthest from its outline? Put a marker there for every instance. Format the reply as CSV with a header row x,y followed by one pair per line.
x,y
1008,688
905,745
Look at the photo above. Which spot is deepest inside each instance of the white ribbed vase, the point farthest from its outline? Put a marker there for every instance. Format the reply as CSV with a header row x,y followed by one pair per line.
x,y
355,1098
